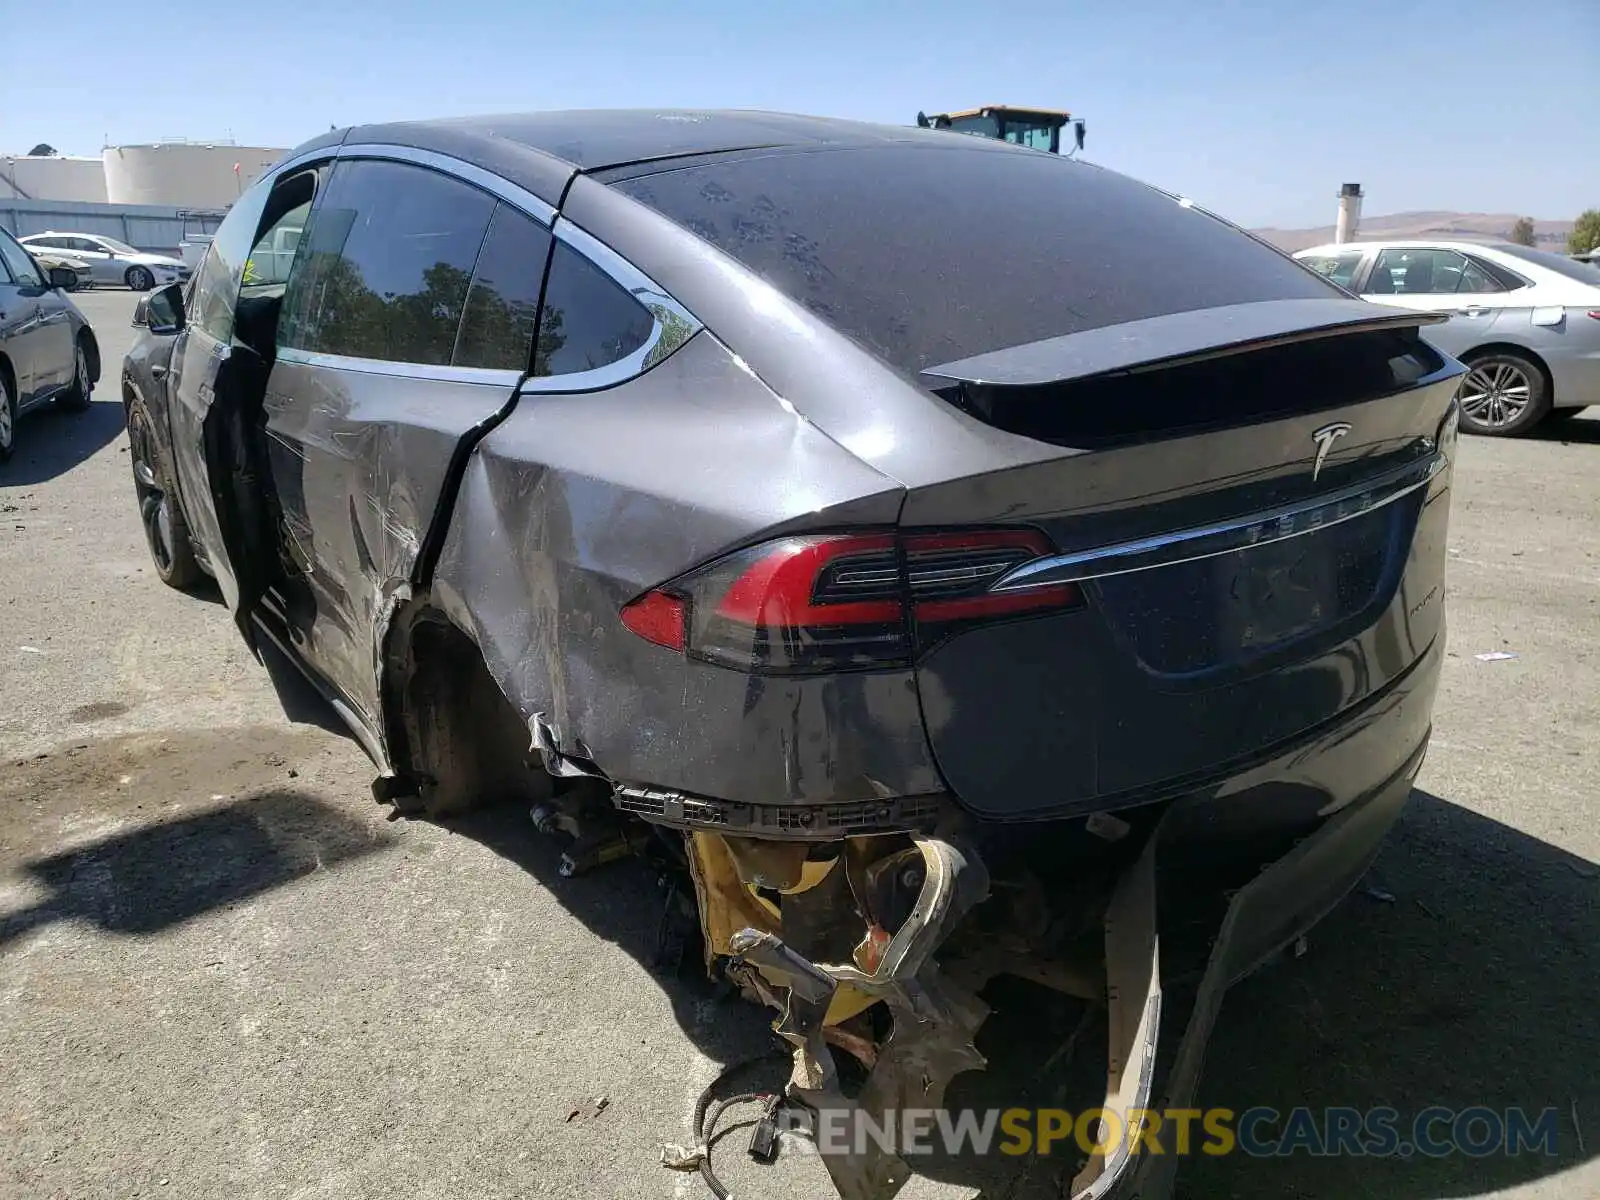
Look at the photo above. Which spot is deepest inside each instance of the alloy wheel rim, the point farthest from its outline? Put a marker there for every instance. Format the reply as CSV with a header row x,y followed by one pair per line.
x,y
1495,393
154,507
80,368
5,417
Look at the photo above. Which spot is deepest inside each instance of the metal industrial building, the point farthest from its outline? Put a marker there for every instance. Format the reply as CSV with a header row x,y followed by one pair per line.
x,y
173,173
58,177
187,174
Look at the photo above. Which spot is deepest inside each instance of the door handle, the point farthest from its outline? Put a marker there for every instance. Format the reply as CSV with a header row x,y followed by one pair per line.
x,y
157,371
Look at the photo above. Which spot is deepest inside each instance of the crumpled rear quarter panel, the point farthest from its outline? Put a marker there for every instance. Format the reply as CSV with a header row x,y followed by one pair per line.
x,y
575,504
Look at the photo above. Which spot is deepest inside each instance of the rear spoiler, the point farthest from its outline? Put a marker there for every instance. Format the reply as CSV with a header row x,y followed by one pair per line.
x,y
1173,340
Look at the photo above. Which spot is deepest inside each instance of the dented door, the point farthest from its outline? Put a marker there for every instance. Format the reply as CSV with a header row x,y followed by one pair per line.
x,y
407,323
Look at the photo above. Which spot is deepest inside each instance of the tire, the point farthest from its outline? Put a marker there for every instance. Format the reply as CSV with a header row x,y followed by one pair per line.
x,y
1502,395
166,533
8,414
76,398
140,279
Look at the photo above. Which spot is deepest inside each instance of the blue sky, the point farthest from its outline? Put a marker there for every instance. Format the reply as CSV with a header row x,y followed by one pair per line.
x,y
1256,108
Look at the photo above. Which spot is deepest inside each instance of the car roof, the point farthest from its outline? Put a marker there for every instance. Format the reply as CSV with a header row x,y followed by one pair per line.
x,y
595,139
542,151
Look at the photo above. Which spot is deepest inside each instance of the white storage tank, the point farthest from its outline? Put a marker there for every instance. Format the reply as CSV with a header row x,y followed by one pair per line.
x,y
185,174
52,177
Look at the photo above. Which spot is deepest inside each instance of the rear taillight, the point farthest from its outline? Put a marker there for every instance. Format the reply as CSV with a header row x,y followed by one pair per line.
x,y
843,601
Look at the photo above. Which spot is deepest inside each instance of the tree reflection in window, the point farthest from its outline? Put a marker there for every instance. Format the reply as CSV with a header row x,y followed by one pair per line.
x,y
598,322
468,310
349,318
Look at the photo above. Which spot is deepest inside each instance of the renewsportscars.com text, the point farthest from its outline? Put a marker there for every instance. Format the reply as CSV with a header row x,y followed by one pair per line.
x,y
1434,1132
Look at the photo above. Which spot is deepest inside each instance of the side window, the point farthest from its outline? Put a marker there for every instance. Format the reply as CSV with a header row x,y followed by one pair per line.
x,y
83,244
211,306
1481,278
589,320
273,255
1341,268
19,262
211,300
385,264
1414,272
503,302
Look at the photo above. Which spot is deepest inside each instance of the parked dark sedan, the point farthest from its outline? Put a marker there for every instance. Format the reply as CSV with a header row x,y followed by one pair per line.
x,y
861,516
47,349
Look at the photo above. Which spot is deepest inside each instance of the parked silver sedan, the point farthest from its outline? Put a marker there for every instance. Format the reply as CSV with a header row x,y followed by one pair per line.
x,y
112,261
1527,322
48,352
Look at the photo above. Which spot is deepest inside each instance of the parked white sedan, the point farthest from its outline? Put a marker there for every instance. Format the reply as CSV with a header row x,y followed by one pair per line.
x,y
1526,321
112,261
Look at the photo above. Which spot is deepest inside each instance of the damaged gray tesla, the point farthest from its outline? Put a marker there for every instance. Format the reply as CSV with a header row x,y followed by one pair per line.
x,y
936,546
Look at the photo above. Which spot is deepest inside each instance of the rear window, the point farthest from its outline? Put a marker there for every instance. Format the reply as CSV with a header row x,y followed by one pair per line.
x,y
1562,265
928,254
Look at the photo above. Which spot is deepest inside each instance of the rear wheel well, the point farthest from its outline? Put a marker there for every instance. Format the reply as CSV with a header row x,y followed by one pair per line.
x,y
450,728
1491,348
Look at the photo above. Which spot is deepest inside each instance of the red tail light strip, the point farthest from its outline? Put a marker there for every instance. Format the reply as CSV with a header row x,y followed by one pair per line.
x,y
845,601
776,591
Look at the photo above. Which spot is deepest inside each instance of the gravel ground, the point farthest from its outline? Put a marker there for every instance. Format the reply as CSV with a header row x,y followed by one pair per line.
x,y
224,972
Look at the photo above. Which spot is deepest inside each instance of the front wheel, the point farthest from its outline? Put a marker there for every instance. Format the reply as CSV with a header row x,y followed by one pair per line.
x,y
1502,395
8,415
165,530
76,397
140,279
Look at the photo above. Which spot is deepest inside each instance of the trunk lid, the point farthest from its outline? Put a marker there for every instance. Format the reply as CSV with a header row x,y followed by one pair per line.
x,y
1252,505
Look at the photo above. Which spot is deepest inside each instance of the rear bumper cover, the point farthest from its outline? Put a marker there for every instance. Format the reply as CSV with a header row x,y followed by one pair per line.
x,y
1277,907
1385,745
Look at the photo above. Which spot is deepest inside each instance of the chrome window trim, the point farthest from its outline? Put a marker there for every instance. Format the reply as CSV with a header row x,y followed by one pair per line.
x,y
439,372
503,189
672,323
290,165
1210,541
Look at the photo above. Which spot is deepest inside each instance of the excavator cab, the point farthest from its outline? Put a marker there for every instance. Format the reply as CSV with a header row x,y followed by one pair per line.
x,y
1039,128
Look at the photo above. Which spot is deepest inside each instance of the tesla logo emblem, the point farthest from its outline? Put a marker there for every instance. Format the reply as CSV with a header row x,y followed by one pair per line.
x,y
1325,438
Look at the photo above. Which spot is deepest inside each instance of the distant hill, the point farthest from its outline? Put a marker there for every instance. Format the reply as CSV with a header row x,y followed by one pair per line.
x,y
1476,227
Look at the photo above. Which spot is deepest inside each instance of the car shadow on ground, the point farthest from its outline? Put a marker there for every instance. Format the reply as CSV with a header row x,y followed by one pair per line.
x,y
160,875
630,903
1475,985
1578,430
50,442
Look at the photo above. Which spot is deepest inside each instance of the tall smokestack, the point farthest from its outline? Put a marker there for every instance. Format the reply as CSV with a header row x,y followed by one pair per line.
x,y
1349,213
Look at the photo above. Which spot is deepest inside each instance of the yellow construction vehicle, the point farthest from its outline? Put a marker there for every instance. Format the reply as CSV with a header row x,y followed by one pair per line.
x,y
1036,127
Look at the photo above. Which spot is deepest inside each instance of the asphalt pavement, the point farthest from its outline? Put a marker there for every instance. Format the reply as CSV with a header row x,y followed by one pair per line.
x,y
225,972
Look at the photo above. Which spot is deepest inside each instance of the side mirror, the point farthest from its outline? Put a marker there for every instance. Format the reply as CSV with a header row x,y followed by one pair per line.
x,y
141,313
62,279
162,309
